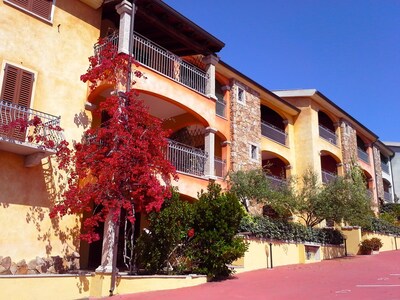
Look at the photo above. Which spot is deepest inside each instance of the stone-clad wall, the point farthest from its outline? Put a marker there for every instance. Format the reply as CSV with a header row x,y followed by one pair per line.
x,y
378,171
245,127
349,143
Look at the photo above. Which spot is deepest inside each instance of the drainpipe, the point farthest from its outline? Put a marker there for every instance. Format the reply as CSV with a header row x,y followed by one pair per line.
x,y
376,178
391,179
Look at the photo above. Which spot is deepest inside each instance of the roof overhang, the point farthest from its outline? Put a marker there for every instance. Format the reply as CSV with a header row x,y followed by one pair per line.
x,y
230,72
324,101
384,149
163,25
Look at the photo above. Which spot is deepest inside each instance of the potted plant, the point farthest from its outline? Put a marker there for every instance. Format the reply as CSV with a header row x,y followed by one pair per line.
x,y
370,246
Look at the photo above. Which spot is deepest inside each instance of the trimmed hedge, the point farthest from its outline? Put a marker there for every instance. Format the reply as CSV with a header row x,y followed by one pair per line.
x,y
264,227
382,226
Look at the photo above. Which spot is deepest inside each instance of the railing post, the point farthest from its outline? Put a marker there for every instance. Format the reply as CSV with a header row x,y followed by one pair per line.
x,y
210,61
209,145
126,11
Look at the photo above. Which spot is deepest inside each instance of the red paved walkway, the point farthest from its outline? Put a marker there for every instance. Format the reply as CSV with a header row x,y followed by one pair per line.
x,y
361,277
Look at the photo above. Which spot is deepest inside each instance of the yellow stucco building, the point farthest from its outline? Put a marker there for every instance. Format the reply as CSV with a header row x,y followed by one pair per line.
x,y
219,118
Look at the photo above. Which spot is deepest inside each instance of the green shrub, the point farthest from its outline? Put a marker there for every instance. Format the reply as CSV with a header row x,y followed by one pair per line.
x,y
216,222
382,226
193,238
160,249
264,227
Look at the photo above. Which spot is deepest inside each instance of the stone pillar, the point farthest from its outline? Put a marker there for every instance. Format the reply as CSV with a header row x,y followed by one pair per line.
x,y
109,242
209,146
126,16
210,61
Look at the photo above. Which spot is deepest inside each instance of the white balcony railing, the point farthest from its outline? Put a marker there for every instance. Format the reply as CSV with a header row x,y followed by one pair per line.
x,y
163,61
187,159
363,155
274,133
327,134
385,168
10,112
327,176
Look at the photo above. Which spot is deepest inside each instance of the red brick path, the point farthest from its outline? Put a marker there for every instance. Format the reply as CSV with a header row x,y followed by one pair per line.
x,y
361,277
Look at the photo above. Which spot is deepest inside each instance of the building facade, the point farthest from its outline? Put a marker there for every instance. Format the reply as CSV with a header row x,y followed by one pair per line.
x,y
220,120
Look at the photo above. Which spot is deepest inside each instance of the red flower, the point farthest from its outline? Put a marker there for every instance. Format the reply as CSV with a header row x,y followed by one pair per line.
x,y
190,232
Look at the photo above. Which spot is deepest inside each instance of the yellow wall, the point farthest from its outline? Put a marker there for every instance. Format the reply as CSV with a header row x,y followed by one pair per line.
x,y
58,54
388,241
258,256
355,237
46,287
305,134
84,286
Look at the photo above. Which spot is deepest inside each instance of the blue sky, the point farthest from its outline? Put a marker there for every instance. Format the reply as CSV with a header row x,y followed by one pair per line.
x,y
347,49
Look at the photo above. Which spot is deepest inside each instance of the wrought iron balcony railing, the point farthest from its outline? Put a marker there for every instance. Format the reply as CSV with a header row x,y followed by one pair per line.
x,y
220,167
327,176
270,131
163,61
10,113
387,196
363,155
327,134
276,181
220,106
187,159
385,168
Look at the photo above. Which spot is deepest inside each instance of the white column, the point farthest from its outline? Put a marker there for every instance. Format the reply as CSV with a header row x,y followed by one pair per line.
x,y
109,241
210,61
209,146
125,10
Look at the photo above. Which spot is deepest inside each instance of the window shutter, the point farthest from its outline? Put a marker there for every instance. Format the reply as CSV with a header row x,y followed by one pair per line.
x,y
17,86
17,89
9,83
41,8
21,3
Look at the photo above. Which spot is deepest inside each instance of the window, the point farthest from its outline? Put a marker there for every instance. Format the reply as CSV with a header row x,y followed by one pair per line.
x,y
16,92
253,152
40,8
241,95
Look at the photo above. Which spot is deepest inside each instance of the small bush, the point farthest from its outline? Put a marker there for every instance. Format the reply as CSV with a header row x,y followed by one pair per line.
x,y
369,245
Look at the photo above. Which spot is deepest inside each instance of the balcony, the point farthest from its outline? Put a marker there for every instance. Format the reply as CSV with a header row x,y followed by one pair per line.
x,y
276,181
385,168
276,134
327,176
387,196
164,62
327,134
363,155
16,140
187,159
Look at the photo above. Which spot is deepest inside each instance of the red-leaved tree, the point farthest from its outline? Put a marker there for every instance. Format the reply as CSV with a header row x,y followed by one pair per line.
x,y
122,164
